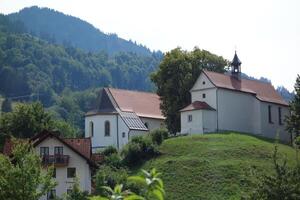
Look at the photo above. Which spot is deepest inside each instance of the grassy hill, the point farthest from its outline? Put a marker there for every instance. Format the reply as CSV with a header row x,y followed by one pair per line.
x,y
214,166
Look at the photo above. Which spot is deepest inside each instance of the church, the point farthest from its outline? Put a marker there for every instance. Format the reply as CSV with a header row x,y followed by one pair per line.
x,y
228,102
120,115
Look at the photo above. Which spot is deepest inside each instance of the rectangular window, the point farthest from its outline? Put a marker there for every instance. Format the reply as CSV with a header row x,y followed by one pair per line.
x,y
51,194
203,95
190,118
44,151
71,172
270,114
123,134
58,150
279,116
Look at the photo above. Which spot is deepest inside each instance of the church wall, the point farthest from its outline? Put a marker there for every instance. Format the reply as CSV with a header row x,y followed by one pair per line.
x,y
209,121
99,140
192,127
123,132
210,96
236,111
153,123
202,83
274,129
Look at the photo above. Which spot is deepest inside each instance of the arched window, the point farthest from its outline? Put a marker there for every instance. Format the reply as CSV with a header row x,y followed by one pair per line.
x,y
91,131
107,128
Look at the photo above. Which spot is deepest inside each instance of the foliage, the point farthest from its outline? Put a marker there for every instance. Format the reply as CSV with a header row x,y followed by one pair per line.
x,y
109,176
26,120
6,105
159,135
150,181
114,160
214,166
76,193
176,75
283,184
109,150
139,149
22,177
293,121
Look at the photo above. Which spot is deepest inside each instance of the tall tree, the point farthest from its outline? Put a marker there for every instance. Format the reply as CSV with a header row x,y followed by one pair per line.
x,y
23,177
176,75
293,121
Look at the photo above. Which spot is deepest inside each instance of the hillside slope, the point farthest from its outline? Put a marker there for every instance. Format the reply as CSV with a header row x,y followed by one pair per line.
x,y
57,27
213,166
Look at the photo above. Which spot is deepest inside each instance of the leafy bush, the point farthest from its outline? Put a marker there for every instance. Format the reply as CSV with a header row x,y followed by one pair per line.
x,y
109,176
109,150
113,160
159,135
140,148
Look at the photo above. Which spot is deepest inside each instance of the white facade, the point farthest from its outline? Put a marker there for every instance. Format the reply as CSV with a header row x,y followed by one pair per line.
x,y
120,133
83,171
234,111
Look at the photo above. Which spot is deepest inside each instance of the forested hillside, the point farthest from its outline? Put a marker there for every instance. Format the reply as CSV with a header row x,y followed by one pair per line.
x,y
57,27
34,69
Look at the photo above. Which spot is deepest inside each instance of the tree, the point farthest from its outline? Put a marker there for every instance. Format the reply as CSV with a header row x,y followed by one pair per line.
x,y
176,75
23,177
25,120
293,120
283,184
6,105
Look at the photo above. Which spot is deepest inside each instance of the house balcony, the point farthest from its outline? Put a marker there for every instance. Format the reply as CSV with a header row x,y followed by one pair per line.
x,y
56,160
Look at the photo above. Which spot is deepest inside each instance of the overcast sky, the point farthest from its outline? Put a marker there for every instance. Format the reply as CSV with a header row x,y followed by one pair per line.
x,y
266,33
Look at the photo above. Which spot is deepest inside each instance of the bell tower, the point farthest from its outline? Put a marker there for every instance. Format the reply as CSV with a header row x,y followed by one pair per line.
x,y
236,67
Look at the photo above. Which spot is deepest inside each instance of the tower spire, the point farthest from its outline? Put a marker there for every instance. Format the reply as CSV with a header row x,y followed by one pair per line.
x,y
236,66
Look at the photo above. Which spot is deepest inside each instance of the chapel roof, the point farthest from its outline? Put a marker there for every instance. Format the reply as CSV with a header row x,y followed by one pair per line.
x,y
197,105
262,90
144,104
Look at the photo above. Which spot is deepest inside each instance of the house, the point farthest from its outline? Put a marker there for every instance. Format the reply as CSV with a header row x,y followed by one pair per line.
x,y
228,102
120,115
70,157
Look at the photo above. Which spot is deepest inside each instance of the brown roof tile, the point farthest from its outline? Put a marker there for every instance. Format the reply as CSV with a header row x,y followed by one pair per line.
x,y
197,105
83,145
263,91
144,104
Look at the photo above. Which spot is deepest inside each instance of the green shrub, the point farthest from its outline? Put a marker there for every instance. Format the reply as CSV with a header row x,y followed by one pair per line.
x,y
109,150
113,160
109,176
140,148
159,135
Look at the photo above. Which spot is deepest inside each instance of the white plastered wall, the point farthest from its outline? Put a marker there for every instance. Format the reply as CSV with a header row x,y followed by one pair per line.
x,y
83,171
191,127
153,123
209,121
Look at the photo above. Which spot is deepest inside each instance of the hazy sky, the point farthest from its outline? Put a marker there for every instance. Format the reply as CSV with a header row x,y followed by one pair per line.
x,y
265,33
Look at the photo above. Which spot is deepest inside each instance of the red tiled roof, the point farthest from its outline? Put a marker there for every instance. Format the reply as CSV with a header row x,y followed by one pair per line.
x,y
263,91
197,105
9,145
144,104
81,146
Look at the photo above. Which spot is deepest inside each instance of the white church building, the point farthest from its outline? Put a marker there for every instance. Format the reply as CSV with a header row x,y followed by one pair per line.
x,y
120,115
227,102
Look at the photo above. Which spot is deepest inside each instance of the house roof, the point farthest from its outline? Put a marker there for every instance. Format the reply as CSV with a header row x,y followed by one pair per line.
x,y
144,104
81,146
262,90
197,105
132,121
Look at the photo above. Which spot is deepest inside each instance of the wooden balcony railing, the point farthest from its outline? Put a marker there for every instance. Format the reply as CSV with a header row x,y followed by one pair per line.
x,y
56,160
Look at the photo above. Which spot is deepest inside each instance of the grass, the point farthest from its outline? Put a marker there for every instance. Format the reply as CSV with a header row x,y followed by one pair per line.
x,y
214,166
